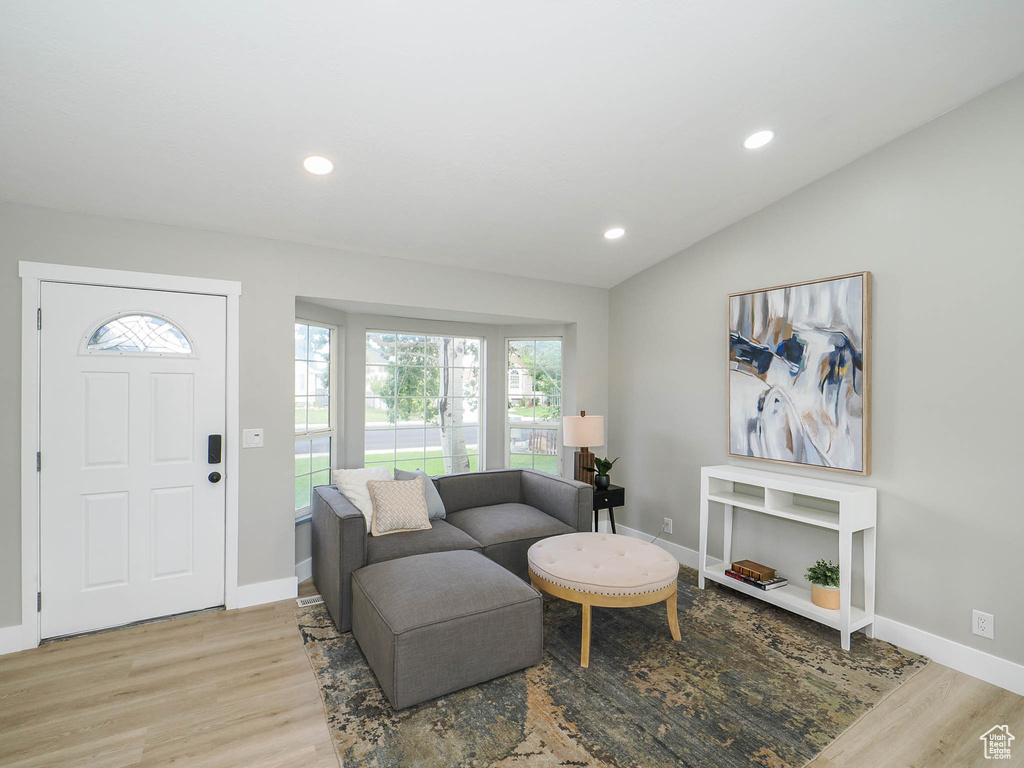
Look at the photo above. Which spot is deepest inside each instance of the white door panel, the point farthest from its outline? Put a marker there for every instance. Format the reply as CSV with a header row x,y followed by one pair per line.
x,y
130,526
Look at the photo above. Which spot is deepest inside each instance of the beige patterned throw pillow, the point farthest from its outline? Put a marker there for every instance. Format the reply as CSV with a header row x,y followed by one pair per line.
x,y
398,505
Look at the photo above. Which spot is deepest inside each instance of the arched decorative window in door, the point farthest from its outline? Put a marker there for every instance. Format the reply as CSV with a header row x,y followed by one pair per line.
x,y
137,333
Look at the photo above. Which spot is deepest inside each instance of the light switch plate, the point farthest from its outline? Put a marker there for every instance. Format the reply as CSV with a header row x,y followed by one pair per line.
x,y
252,438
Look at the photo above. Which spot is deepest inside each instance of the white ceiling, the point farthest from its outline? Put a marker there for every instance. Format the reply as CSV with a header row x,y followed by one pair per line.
x,y
499,136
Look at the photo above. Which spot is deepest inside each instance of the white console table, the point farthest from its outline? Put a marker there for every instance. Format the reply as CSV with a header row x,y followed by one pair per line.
x,y
839,507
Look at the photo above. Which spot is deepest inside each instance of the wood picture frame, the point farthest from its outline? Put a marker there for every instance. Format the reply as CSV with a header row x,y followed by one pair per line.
x,y
798,388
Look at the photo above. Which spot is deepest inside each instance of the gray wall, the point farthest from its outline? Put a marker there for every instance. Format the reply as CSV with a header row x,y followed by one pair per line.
x,y
938,218
273,274
351,411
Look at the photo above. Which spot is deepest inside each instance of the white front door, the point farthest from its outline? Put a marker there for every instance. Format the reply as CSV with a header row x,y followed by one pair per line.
x,y
132,385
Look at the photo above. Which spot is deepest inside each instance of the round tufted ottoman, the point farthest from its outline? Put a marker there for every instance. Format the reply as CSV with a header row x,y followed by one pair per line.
x,y
606,570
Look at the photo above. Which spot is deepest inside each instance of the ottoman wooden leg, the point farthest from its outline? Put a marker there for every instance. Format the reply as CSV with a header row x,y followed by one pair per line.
x,y
673,617
585,645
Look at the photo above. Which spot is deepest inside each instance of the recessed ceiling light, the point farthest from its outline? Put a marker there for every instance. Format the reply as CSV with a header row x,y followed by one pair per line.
x,y
758,140
317,165
614,233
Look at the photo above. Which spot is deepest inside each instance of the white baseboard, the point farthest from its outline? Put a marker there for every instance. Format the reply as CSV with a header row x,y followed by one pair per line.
x,y
304,570
984,666
267,592
11,639
684,555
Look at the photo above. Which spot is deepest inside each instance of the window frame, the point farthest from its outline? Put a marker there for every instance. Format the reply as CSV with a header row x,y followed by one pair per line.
x,y
334,398
533,424
481,394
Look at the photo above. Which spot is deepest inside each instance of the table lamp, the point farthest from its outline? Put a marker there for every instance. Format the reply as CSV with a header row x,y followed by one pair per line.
x,y
581,432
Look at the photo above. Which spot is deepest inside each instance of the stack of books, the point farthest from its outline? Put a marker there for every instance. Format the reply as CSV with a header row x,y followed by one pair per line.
x,y
756,575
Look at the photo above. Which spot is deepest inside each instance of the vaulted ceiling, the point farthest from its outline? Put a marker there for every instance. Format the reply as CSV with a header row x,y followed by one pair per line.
x,y
499,136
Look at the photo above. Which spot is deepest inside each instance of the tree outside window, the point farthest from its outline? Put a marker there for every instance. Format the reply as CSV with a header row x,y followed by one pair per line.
x,y
423,402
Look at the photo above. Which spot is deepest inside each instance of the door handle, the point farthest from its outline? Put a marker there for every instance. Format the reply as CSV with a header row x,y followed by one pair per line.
x,y
213,443
214,477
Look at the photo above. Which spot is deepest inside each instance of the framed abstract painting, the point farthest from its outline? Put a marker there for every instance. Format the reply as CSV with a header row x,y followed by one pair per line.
x,y
800,375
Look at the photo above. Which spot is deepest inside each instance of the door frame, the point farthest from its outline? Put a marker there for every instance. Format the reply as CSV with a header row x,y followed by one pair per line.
x,y
33,274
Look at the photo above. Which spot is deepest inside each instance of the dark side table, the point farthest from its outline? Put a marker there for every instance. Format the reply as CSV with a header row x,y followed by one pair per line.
x,y
608,498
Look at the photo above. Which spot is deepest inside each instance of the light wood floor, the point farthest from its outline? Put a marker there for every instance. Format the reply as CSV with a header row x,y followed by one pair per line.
x,y
227,688
234,688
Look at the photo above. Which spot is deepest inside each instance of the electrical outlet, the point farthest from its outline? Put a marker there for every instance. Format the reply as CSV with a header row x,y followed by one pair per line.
x,y
667,527
984,625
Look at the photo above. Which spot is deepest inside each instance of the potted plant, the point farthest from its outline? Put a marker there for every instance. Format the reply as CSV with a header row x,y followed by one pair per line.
x,y
602,467
824,578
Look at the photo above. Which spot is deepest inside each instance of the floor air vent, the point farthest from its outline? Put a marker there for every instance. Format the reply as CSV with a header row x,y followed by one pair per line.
x,y
305,602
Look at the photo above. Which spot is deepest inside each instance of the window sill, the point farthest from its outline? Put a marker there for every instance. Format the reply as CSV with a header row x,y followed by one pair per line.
x,y
305,517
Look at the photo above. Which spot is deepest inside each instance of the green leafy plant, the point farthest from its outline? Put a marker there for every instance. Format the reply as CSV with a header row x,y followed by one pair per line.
x,y
824,574
603,466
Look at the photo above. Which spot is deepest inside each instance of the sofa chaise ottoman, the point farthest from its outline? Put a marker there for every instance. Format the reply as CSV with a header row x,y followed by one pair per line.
x,y
435,623
498,513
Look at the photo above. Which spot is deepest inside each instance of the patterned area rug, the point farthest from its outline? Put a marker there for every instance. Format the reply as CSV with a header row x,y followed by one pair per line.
x,y
749,684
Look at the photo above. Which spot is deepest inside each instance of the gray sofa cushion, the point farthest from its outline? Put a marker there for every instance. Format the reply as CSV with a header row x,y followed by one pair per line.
x,y
441,537
479,489
501,523
507,531
435,507
434,623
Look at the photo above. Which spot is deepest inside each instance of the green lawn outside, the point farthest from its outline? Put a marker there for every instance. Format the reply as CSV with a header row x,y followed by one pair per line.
x,y
550,413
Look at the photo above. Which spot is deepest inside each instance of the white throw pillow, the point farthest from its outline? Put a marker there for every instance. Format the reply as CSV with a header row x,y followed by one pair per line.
x,y
399,505
352,484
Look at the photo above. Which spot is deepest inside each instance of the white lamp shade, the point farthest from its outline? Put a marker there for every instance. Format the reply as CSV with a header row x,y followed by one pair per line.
x,y
582,431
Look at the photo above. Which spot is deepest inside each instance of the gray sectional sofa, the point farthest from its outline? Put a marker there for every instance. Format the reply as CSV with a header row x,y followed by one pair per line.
x,y
498,513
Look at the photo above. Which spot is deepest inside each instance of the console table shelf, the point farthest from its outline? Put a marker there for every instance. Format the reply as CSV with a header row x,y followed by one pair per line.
x,y
839,507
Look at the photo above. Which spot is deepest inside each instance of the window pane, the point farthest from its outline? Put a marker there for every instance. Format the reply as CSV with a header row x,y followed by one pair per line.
x,y
432,350
302,457
463,410
411,412
410,381
381,349
321,454
519,440
379,444
520,354
414,440
546,464
318,413
319,382
319,343
300,414
139,333
466,385
521,461
301,379
301,337
520,409
410,350
301,492
467,352
380,381
548,409
379,410
453,441
321,478
433,416
533,441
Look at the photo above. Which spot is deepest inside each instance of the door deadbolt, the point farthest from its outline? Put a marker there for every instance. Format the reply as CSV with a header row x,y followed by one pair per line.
x,y
214,477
